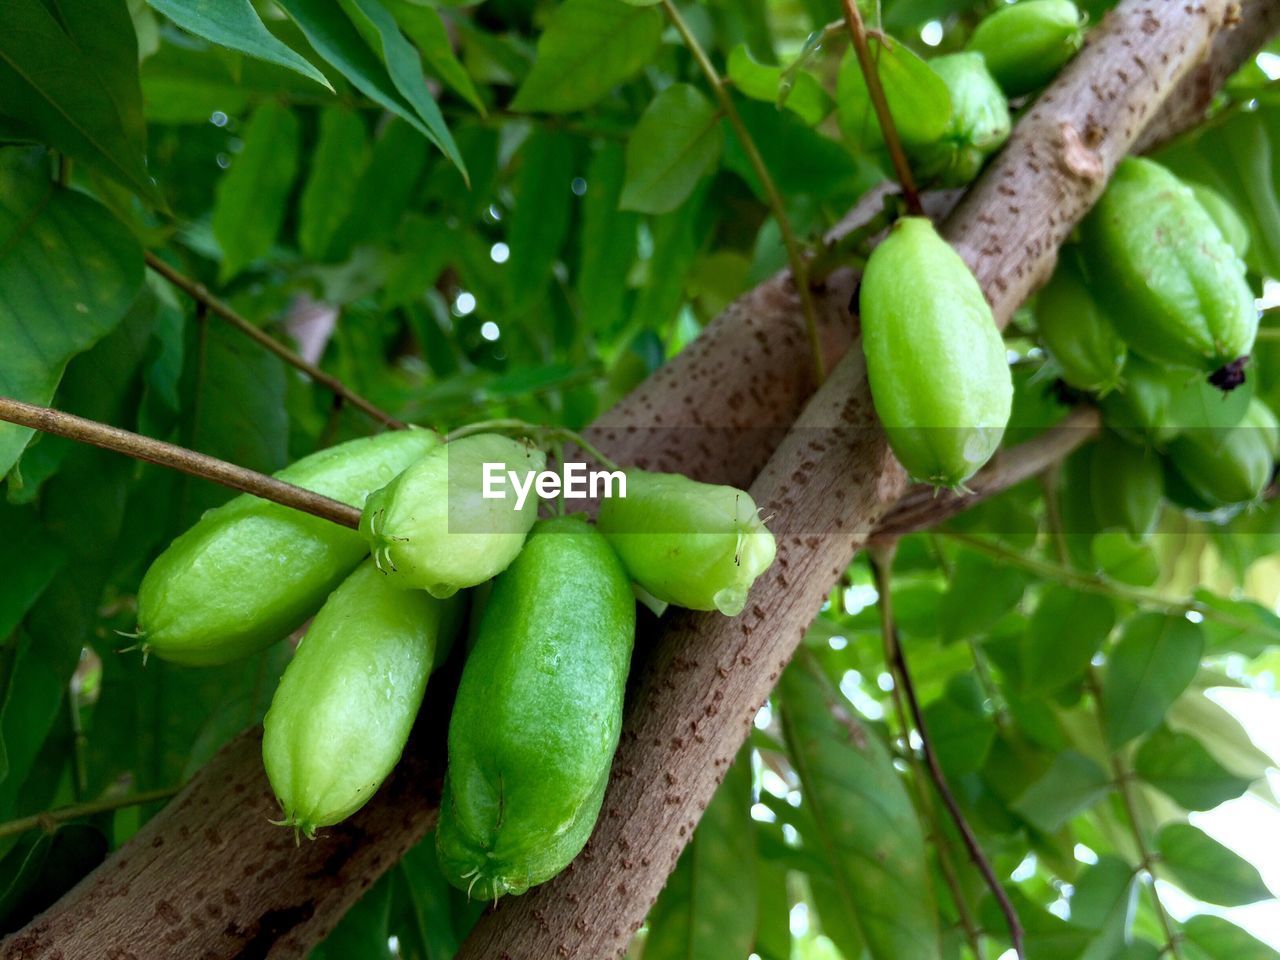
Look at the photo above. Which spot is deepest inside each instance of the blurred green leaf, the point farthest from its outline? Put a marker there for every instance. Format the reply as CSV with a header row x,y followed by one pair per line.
x,y
1150,666
867,825
1178,764
981,591
1067,628
340,156
803,93
708,909
426,29
608,244
1124,559
253,194
69,79
540,220
675,144
68,272
1220,939
918,98
236,24
1206,869
587,48
1072,784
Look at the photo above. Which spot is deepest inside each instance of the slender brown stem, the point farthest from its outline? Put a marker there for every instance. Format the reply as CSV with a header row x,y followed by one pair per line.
x,y
795,256
199,293
177,458
882,561
898,156
1123,779
48,820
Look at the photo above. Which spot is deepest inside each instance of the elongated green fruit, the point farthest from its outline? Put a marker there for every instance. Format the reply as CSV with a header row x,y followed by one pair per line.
x,y
1157,404
979,124
1075,330
344,707
697,545
1233,465
432,528
1127,485
251,571
538,713
1234,230
1026,44
1179,290
936,363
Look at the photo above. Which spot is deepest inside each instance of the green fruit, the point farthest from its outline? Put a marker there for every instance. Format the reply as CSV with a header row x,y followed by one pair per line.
x,y
979,123
1234,230
697,545
538,713
432,528
1074,329
1176,290
1141,409
937,366
1026,44
251,571
1233,465
1127,485
344,707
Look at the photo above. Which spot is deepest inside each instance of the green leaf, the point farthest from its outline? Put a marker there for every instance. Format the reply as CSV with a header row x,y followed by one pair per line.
x,y
760,81
1221,734
383,191
1067,628
404,65
71,81
1178,764
1124,559
1103,902
441,920
340,156
1261,633
30,558
68,272
253,194
338,40
540,219
608,246
676,142
980,593
918,98
423,248
1073,783
708,908
1222,940
1151,665
426,28
960,728
236,24
364,930
1206,869
588,48
867,825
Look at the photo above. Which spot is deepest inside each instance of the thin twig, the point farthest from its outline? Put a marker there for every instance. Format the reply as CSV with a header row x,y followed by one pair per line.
x,y
795,256
882,560
170,455
898,156
48,820
199,293
1123,778
534,431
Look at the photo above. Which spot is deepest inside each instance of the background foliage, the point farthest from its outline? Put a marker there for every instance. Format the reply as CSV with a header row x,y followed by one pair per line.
x,y
521,208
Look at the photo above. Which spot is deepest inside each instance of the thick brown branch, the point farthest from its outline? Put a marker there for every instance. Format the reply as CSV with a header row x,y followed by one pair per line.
x,y
198,292
177,458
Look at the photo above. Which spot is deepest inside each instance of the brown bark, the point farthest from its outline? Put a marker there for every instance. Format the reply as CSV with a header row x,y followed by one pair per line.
x,y
829,483
172,878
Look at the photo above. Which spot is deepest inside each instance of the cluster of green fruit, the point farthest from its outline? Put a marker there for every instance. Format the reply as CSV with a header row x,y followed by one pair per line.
x,y
1151,311
1012,52
538,709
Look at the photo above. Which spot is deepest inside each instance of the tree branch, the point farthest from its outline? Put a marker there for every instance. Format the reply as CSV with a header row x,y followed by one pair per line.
x,y
177,458
198,292
715,412
882,565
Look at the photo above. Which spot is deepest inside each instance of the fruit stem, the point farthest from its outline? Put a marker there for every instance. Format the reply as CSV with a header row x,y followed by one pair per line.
x,y
898,156
199,293
541,434
795,256
49,820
